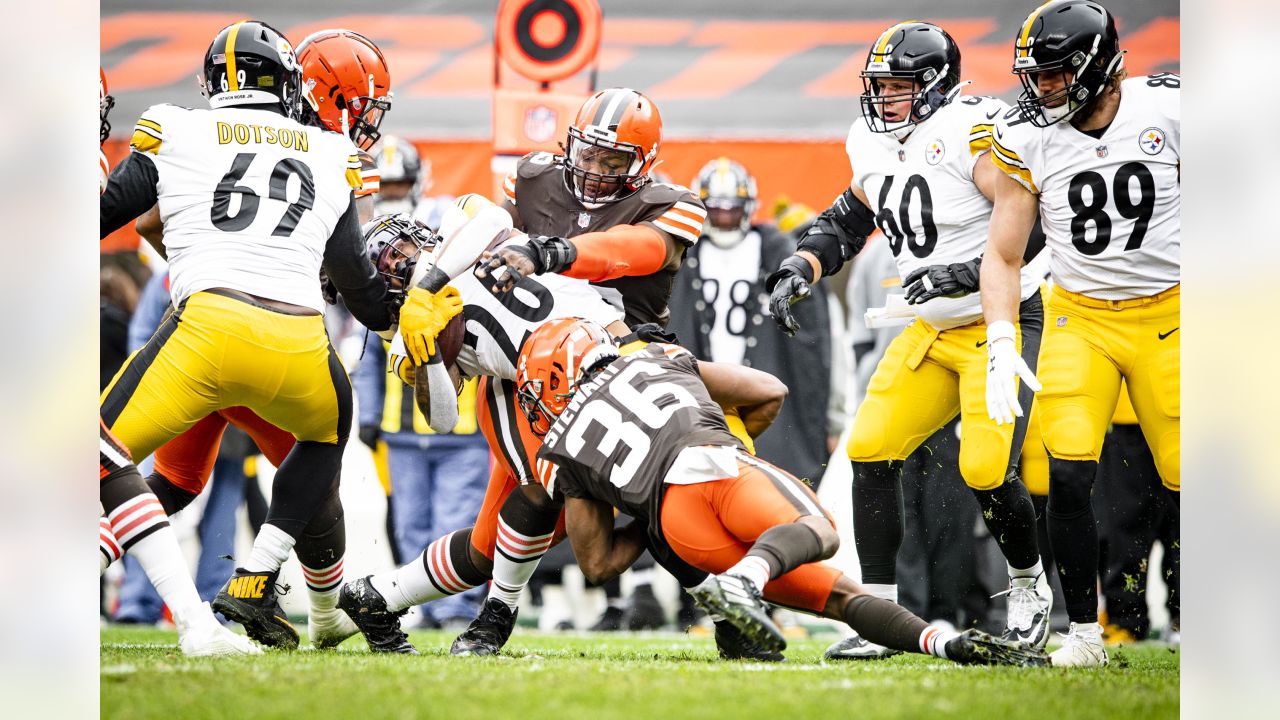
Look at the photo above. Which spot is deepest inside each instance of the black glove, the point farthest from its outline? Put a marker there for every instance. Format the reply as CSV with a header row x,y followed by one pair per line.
x,y
370,435
653,333
546,254
955,280
788,286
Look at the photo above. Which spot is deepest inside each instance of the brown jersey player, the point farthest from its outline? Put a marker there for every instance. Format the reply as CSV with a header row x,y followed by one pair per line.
x,y
640,433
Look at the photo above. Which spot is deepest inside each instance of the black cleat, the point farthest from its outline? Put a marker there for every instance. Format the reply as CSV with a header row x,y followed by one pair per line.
x,y
733,645
250,599
487,633
368,610
644,612
610,621
975,647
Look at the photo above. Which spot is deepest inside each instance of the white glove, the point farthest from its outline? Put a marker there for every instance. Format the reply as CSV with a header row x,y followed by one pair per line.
x,y
1004,367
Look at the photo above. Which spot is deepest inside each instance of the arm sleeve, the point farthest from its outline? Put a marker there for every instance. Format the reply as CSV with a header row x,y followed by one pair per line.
x,y
370,381
349,269
839,232
131,191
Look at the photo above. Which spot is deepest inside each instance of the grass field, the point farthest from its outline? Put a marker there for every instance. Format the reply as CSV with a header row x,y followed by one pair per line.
x,y
664,676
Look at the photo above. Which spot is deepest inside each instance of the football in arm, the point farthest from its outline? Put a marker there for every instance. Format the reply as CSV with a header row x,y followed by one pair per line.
x,y
449,341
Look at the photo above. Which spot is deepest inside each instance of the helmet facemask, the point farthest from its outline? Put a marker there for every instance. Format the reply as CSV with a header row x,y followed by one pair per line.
x,y
362,116
1084,75
394,244
600,170
926,97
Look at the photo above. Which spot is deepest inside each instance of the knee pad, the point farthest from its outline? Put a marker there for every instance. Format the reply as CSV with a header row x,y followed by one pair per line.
x,y
1070,487
867,439
982,470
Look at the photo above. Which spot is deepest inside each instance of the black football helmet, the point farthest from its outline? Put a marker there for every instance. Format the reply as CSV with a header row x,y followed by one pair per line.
x,y
917,51
1077,38
394,242
252,63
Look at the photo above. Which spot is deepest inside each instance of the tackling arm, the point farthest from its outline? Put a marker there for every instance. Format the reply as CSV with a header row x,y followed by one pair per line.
x,y
756,395
603,553
348,267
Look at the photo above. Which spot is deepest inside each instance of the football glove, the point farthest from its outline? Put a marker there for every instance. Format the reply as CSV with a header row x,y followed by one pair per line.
x,y
423,316
541,254
1004,367
788,286
955,280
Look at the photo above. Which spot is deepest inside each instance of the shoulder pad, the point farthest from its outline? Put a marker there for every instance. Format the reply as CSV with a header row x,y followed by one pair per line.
x,y
538,163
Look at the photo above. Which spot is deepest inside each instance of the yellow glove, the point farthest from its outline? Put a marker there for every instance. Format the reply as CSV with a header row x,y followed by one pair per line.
x,y
423,316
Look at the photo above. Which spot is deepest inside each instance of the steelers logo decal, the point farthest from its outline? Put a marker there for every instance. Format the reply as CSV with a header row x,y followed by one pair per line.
x,y
935,152
1151,141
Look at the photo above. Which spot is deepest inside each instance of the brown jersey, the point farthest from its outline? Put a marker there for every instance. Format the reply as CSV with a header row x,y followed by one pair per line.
x,y
622,431
547,207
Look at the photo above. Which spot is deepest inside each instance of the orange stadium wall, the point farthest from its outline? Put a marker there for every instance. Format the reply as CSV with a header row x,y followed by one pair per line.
x,y
811,172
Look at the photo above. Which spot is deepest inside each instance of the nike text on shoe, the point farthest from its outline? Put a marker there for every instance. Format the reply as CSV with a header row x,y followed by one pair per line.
x,y
1030,600
857,647
488,632
974,647
1081,647
366,607
250,599
737,600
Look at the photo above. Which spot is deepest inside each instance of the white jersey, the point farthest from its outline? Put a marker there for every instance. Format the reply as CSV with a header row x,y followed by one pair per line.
x,y
498,323
248,197
1110,206
925,200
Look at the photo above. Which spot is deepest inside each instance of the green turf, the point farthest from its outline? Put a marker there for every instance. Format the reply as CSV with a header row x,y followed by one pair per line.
x,y
664,676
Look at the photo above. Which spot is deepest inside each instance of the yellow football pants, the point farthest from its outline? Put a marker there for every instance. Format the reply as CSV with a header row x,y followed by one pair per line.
x,y
1089,346
216,352
925,377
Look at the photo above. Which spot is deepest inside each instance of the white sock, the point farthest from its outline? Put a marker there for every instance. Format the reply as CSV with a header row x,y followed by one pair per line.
x,y
884,592
1031,572
933,641
323,586
412,584
108,546
270,549
514,562
162,559
753,568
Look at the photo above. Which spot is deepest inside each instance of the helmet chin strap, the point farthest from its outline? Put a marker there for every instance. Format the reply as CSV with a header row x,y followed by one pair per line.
x,y
724,239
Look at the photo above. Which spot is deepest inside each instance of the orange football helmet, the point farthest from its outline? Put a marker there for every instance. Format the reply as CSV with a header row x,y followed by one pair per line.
x,y
348,81
553,359
105,103
612,145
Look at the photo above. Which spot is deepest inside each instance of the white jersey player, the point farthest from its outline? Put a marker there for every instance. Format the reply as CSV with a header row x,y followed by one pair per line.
x,y
1098,156
919,175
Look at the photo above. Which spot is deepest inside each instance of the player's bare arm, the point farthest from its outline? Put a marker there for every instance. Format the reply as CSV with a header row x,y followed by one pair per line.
x,y
603,553
756,395
151,228
1012,220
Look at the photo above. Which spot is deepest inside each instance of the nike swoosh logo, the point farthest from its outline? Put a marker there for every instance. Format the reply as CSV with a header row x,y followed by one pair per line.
x,y
980,343
991,115
1165,335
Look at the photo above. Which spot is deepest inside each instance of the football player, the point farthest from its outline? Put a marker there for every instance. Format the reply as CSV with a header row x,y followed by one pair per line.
x,y
343,71
641,434
105,103
594,213
920,175
497,325
242,186
1098,156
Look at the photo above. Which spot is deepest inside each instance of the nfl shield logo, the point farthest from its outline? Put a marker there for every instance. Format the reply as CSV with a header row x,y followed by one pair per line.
x,y
584,219
1102,151
540,123
1062,321
902,156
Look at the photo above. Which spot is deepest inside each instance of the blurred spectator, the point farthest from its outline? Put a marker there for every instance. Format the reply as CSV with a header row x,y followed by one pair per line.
x,y
117,299
719,312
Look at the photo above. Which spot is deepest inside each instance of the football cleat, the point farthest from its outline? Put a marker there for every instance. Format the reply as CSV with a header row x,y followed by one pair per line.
x,y
366,607
610,620
974,647
733,645
644,612
488,632
250,599
737,600
208,638
856,647
1029,602
328,628
1081,647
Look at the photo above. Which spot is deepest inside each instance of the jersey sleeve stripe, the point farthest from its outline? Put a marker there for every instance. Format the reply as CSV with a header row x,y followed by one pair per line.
x,y
1009,157
680,232
509,188
692,209
980,139
354,179
672,217
1021,174
144,140
152,124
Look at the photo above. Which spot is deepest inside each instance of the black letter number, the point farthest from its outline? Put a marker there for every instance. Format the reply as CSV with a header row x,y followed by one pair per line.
x,y
222,197
279,191
1094,211
902,229
1141,211
1164,79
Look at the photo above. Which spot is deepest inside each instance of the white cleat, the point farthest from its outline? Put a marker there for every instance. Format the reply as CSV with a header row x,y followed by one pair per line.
x,y
208,638
1081,647
736,599
328,628
856,647
1029,604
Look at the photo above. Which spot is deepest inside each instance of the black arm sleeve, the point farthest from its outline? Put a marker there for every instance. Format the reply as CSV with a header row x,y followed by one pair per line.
x,y
350,271
131,191
839,232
